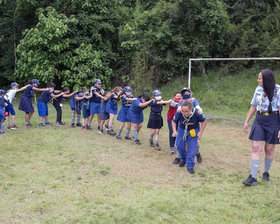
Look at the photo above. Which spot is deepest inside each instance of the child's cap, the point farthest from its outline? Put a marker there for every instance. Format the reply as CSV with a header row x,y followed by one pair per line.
x,y
14,84
35,81
97,81
156,92
2,92
127,89
185,89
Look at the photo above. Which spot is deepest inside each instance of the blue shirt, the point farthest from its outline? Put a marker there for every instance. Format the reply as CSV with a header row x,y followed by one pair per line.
x,y
94,98
155,108
134,108
3,101
113,100
29,92
126,103
192,120
262,102
45,97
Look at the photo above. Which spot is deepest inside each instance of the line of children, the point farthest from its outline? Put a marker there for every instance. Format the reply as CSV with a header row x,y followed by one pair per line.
x,y
127,99
189,132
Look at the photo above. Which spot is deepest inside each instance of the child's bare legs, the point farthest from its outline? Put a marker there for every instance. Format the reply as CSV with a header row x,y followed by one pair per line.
x,y
120,129
156,135
151,137
128,130
79,118
99,121
111,121
8,121
30,115
73,117
136,128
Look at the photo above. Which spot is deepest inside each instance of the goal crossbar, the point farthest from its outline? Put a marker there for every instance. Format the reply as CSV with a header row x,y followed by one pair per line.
x,y
224,59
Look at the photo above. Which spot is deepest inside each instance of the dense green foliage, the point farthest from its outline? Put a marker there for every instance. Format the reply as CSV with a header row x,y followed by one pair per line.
x,y
141,43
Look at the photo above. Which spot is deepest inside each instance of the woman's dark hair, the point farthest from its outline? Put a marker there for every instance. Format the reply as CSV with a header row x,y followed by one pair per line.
x,y
176,93
268,85
65,89
51,85
116,89
145,96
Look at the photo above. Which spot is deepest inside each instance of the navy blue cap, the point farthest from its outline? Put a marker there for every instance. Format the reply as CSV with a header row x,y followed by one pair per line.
x,y
156,92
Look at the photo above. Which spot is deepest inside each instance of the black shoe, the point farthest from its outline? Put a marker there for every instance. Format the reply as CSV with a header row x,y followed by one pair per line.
x,y
157,147
127,138
265,176
118,137
111,132
176,161
79,125
137,142
72,125
199,158
151,143
182,163
251,181
101,131
89,128
191,171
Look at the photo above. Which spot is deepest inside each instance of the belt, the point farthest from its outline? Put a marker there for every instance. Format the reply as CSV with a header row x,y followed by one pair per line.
x,y
266,113
154,113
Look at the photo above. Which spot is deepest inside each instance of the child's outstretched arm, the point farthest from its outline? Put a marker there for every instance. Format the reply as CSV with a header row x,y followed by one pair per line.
x,y
174,128
203,125
130,99
145,104
98,95
69,95
22,88
108,96
56,96
164,102
40,89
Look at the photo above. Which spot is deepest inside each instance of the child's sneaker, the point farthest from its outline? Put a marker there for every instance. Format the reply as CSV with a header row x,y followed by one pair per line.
x,y
84,128
111,132
199,158
176,161
157,147
2,132
151,143
72,125
30,125
89,128
127,138
8,127
118,137
27,126
172,150
41,125
101,131
105,127
79,125
14,127
48,123
137,142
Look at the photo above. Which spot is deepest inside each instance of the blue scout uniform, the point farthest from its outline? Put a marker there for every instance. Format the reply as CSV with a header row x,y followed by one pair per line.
x,y
123,113
112,105
26,100
86,109
188,128
266,124
95,101
2,107
103,114
155,119
42,103
76,105
135,113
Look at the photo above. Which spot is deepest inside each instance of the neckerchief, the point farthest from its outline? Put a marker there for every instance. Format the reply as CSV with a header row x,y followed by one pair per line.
x,y
185,122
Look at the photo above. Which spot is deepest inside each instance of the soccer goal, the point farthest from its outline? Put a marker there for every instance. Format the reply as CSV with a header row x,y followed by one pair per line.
x,y
224,59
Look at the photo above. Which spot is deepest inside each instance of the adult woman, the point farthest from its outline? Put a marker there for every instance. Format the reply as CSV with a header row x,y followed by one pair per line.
x,y
266,126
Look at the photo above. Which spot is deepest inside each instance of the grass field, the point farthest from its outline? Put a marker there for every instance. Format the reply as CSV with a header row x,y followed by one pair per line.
x,y
64,175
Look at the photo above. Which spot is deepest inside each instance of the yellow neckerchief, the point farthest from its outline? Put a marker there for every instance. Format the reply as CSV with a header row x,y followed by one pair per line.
x,y
186,122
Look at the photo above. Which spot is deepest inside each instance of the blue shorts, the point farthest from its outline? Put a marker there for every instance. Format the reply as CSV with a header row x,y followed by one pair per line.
x,y
123,115
136,118
112,108
95,108
42,109
86,111
76,107
10,109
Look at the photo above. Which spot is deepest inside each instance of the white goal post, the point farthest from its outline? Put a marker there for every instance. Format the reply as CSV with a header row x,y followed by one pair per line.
x,y
224,59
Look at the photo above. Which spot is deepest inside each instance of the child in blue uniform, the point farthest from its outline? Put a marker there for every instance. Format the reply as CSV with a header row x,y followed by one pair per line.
x,y
135,114
10,109
42,103
112,108
187,95
127,100
95,101
76,103
104,116
86,109
155,119
26,100
57,103
3,104
189,132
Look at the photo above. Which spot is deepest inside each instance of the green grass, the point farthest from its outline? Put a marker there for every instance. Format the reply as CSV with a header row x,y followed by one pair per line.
x,y
64,175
